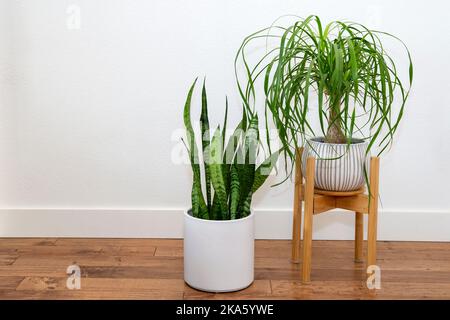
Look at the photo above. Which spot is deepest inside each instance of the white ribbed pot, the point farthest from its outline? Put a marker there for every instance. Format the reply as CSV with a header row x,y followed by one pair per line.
x,y
218,255
339,167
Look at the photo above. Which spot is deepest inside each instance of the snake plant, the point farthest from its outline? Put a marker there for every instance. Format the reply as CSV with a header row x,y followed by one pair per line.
x,y
230,174
343,65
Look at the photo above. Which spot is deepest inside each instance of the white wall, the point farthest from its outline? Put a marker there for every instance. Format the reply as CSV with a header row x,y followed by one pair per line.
x,y
87,116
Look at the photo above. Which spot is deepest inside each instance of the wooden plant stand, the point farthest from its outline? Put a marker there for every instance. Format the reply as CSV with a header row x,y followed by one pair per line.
x,y
318,201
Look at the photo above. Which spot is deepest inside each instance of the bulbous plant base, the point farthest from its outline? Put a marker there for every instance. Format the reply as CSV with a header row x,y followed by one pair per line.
x,y
218,254
339,167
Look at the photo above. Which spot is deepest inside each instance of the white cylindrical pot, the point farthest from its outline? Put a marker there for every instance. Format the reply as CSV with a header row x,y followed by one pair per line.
x,y
339,167
219,254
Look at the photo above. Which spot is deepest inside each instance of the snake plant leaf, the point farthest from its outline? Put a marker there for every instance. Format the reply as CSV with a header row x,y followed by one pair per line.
x,y
225,165
225,120
246,170
251,140
204,123
246,207
230,149
199,207
231,146
187,123
216,172
233,141
216,213
234,192
246,177
264,169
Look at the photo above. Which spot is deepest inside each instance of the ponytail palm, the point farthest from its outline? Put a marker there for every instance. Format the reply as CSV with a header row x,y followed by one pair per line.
x,y
343,66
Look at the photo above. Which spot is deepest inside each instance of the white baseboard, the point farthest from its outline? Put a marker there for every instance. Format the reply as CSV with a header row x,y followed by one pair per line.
x,y
404,225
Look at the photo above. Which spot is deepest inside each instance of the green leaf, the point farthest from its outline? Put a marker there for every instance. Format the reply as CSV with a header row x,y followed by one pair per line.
x,y
204,123
216,213
264,169
234,192
199,207
216,172
233,141
224,131
251,141
246,207
246,165
230,150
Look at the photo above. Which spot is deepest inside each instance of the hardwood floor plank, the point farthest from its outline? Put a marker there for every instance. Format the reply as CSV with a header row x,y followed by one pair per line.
x,y
26,242
8,259
288,289
64,250
117,242
134,272
66,260
89,295
413,290
108,284
169,251
30,270
10,283
92,288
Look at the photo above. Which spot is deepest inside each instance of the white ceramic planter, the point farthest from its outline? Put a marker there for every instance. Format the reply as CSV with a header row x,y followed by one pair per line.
x,y
345,173
219,255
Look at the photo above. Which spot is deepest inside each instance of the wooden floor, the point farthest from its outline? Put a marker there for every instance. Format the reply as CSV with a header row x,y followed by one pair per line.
x,y
153,269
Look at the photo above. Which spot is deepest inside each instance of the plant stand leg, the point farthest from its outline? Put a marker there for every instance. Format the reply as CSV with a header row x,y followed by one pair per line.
x,y
373,212
308,223
359,236
297,216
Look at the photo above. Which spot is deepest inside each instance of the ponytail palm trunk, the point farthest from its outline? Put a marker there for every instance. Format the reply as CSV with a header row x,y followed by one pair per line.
x,y
335,134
